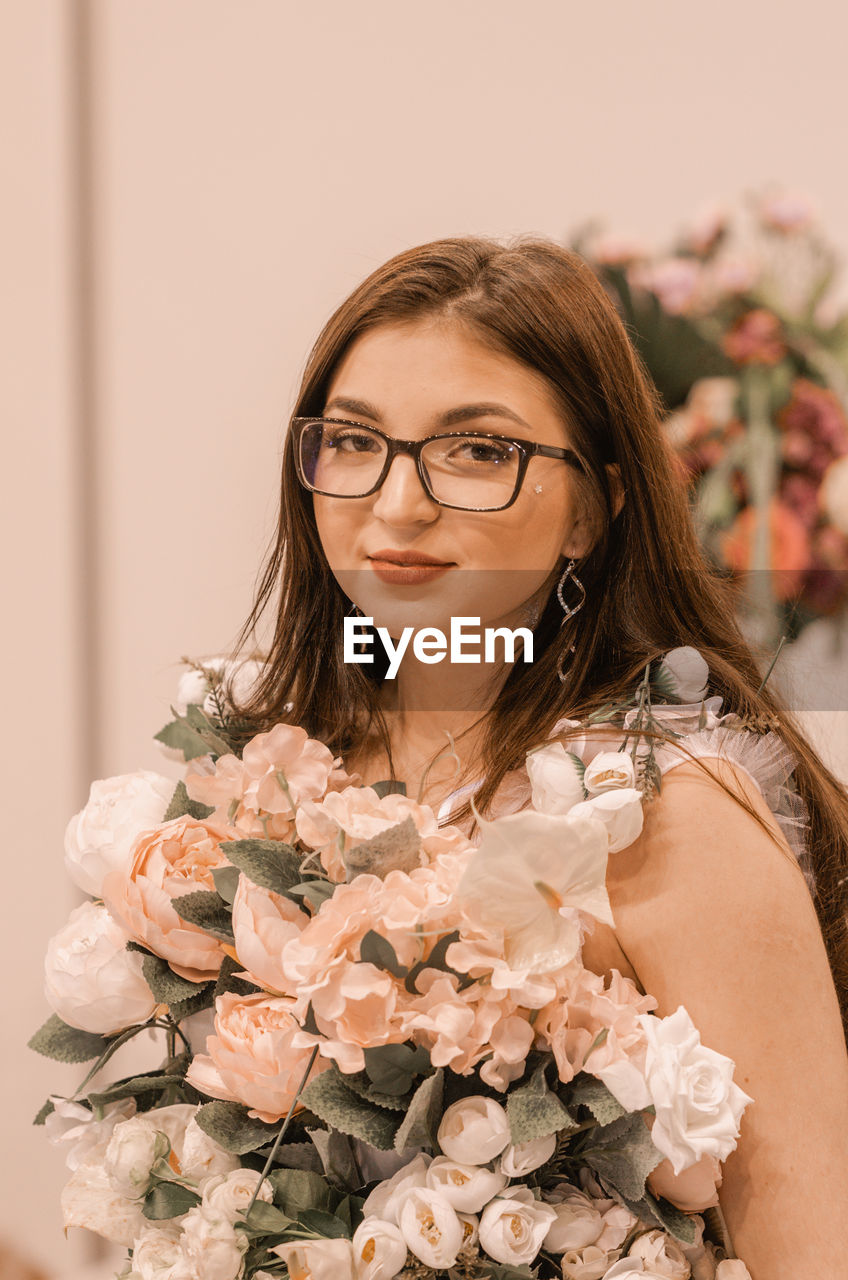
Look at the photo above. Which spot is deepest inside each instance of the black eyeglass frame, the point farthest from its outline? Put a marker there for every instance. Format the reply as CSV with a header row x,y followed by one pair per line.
x,y
526,450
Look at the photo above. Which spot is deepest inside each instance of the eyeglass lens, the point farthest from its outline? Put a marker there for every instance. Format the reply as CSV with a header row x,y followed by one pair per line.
x,y
466,471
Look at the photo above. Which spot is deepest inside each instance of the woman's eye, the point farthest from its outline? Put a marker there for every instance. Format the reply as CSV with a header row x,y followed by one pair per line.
x,y
351,442
482,451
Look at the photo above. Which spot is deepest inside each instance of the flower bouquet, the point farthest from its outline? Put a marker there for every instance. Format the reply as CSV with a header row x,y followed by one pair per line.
x,y
739,331
383,1054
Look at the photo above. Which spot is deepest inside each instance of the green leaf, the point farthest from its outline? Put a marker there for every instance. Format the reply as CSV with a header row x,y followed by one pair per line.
x,y
391,1068
180,736
200,722
226,882
377,950
233,1129
326,1225
45,1111
167,987
360,1083
421,1122
388,787
337,1158
206,910
169,1200
267,1218
496,1271
534,1111
55,1039
296,1190
204,999
587,1091
182,805
331,1100
154,1082
623,1154
271,864
398,846
227,981
437,960
316,892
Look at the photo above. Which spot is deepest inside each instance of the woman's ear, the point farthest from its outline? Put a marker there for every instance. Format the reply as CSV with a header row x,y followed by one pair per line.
x,y
616,487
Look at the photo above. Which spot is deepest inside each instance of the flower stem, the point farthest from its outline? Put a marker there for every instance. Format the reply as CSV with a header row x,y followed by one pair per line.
x,y
283,1129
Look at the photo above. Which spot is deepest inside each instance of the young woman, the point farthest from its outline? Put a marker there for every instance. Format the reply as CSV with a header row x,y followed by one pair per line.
x,y
475,438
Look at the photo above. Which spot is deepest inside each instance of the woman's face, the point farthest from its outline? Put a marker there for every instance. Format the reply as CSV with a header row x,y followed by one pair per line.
x,y
404,379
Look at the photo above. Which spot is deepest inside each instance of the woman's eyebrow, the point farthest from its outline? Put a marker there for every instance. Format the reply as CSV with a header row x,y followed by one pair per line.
x,y
463,413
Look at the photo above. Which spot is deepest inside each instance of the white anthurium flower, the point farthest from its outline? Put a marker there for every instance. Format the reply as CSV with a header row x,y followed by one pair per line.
x,y
609,770
473,1130
621,813
698,1107
513,1226
523,1157
318,1259
555,779
379,1250
431,1228
90,979
467,1187
100,838
386,1198
687,672
530,878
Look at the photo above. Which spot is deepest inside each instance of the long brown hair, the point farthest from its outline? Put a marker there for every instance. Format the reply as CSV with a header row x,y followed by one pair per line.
x,y
649,588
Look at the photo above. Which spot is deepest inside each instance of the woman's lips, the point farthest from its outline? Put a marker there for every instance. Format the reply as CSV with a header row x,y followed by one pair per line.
x,y
408,573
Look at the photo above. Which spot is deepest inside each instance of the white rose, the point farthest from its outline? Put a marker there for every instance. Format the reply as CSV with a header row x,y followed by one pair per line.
x,y
384,1201
158,1255
89,1200
590,1263
698,1107
100,837
608,770
732,1269
134,1148
379,1250
523,1157
317,1259
430,1227
687,672
470,1230
474,1130
555,780
465,1186
576,1224
620,811
632,1269
661,1254
202,1157
215,1249
514,1225
193,686
227,1195
618,1222
77,1128
90,979
834,493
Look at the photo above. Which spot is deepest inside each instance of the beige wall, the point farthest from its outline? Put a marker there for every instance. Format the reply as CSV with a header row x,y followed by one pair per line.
x,y
250,161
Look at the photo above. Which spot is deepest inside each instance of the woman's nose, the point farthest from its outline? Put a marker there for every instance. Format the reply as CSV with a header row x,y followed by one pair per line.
x,y
402,498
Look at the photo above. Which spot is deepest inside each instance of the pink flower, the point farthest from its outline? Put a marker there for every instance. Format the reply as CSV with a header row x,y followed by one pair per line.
x,y
252,1058
675,281
693,1190
592,1014
263,922
755,338
175,859
789,547
787,211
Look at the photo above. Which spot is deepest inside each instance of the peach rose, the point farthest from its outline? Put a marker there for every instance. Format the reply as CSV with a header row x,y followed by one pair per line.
x,y
693,1190
175,859
263,922
251,1058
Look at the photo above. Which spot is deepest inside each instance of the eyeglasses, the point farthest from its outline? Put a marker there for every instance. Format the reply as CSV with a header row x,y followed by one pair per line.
x,y
467,470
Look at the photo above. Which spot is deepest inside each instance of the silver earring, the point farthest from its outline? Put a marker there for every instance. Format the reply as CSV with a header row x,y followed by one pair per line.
x,y
568,610
537,488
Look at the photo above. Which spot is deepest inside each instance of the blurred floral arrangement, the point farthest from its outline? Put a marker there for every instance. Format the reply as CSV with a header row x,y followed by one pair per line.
x,y
739,330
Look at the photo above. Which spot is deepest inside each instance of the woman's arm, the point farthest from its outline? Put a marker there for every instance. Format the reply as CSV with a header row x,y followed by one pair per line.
x,y
715,917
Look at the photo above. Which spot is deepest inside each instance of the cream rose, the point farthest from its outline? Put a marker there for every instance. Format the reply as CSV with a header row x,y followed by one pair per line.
x,y
213,1246
77,1129
134,1148
523,1157
577,1223
693,1190
158,1255
175,859
195,686
620,811
698,1107
687,672
379,1250
732,1269
99,838
466,1187
473,1130
555,779
661,1255
227,1195
250,1059
514,1225
318,1259
609,770
387,1197
590,1263
618,1222
202,1156
430,1227
90,979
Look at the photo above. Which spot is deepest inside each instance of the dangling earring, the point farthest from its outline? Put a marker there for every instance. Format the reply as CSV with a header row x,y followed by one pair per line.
x,y
568,610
